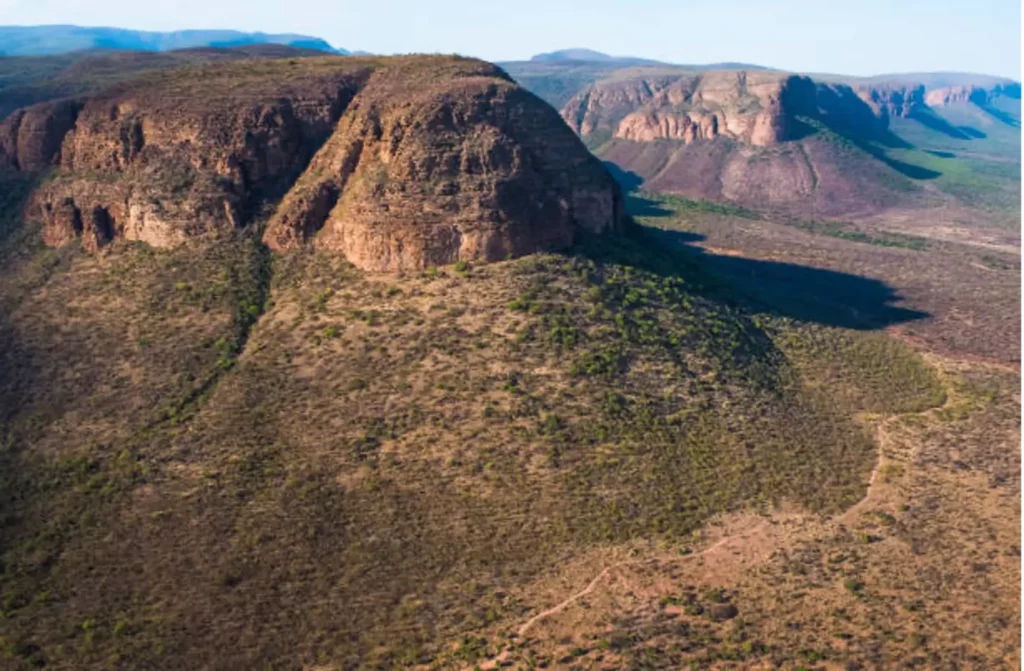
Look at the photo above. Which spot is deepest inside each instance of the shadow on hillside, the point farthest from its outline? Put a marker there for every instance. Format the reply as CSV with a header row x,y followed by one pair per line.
x,y
999,115
638,206
930,119
799,292
627,179
906,169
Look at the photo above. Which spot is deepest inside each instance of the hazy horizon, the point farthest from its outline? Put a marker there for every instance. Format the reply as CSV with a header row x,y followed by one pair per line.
x,y
862,39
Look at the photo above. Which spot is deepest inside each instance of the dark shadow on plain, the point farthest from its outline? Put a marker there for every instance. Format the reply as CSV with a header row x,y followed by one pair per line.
x,y
806,293
639,206
974,133
940,154
929,119
627,179
908,169
999,115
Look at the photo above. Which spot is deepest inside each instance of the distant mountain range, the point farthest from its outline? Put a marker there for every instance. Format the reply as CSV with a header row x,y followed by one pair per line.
x,y
581,55
56,39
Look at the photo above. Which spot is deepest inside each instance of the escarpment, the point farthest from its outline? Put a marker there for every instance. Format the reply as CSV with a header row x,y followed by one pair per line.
x,y
469,168
893,100
757,108
192,153
398,163
801,146
979,95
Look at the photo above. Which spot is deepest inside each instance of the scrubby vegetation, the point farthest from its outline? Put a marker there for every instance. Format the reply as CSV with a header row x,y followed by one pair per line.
x,y
834,229
422,447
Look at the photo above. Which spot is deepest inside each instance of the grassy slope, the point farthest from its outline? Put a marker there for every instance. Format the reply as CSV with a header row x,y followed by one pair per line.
x,y
975,159
26,80
391,460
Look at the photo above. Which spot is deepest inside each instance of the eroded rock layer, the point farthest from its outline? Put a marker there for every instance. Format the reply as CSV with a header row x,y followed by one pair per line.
x,y
758,108
398,163
471,167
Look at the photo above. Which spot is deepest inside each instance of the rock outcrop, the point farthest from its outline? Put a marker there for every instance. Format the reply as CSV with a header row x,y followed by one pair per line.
x,y
398,163
165,160
467,167
599,107
757,108
760,108
891,100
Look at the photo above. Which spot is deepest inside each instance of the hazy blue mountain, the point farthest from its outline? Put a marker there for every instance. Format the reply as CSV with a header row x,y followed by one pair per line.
x,y
55,39
588,56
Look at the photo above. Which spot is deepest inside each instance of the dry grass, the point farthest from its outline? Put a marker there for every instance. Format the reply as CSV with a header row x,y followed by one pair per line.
x,y
924,573
391,462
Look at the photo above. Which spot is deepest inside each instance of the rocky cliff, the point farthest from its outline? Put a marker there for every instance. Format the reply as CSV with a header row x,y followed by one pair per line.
x,y
754,107
398,163
811,147
971,93
892,100
422,172
758,108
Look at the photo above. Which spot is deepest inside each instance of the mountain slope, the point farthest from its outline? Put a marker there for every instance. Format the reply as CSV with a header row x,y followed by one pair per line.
x,y
807,147
57,39
422,446
26,80
202,440
399,163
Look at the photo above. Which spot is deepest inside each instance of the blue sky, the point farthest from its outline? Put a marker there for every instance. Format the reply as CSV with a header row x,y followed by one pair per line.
x,y
861,37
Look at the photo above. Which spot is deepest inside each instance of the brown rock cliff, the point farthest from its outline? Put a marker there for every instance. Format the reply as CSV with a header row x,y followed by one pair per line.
x,y
399,163
468,168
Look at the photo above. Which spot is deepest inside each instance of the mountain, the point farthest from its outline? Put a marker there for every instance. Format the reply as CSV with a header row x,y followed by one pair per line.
x,y
328,135
56,39
588,56
368,363
242,380
25,80
823,146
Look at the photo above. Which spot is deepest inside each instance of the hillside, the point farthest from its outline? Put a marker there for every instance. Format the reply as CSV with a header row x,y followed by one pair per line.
x,y
826,146
298,434
402,163
26,80
59,39
369,363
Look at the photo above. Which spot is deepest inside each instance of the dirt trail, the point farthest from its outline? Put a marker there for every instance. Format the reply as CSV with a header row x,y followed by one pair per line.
x,y
759,526
600,576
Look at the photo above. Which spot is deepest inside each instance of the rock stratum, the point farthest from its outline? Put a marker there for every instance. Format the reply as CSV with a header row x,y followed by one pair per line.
x,y
767,139
399,163
756,107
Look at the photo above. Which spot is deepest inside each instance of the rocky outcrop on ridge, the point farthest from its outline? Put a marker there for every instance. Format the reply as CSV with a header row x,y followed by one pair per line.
x,y
398,163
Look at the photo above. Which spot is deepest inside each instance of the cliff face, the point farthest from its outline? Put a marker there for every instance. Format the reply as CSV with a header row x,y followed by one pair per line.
x,y
756,108
892,100
469,168
979,95
599,107
401,162
176,156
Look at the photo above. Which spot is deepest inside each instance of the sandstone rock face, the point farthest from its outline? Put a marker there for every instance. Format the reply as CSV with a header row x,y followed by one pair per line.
x,y
163,161
398,163
951,95
598,107
30,139
468,167
756,108
893,101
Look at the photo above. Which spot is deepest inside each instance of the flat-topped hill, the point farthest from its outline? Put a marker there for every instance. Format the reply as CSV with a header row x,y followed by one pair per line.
x,y
402,162
807,145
